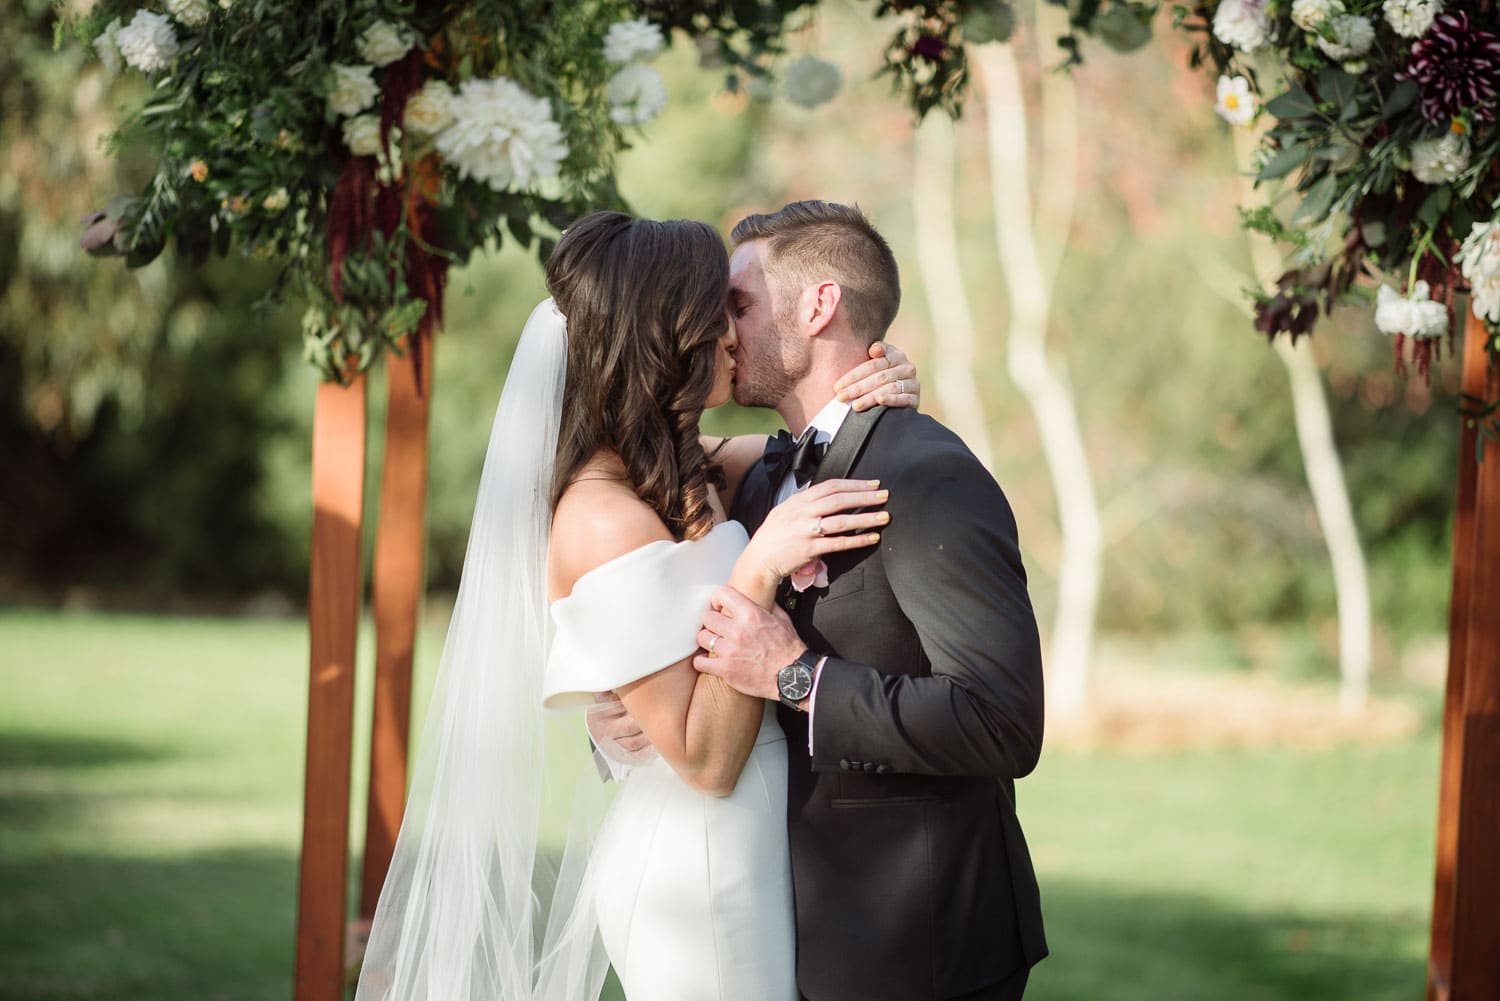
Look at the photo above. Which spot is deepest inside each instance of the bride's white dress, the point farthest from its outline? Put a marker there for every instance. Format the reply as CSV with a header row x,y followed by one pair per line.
x,y
693,893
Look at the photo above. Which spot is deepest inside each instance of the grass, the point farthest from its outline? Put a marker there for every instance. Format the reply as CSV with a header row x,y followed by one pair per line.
x,y
150,796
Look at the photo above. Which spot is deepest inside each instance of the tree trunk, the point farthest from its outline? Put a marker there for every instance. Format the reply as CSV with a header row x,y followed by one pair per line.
x,y
1325,475
954,382
1030,267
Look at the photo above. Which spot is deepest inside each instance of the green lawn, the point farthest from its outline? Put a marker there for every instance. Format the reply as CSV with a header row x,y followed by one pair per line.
x,y
150,791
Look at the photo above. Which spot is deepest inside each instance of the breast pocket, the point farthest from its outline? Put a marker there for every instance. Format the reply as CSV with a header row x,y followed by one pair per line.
x,y
851,581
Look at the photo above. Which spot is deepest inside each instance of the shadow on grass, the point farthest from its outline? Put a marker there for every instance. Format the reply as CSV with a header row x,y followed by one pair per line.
x,y
71,751
220,926
211,927
1113,945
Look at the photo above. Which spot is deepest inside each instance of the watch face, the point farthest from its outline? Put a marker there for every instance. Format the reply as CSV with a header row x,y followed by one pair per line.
x,y
794,682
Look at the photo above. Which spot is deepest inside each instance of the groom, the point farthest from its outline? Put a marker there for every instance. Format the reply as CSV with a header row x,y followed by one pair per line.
x,y
911,684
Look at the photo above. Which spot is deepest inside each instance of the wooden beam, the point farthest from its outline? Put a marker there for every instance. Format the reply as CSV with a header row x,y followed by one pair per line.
x,y
1475,370
1475,963
399,545
333,618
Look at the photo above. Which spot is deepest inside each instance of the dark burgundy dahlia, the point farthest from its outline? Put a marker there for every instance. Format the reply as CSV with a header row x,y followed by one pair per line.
x,y
1456,68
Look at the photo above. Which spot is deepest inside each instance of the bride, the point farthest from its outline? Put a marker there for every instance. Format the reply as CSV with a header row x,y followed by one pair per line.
x,y
598,535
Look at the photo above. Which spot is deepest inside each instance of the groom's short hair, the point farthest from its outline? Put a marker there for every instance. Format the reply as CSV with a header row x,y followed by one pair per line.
x,y
814,241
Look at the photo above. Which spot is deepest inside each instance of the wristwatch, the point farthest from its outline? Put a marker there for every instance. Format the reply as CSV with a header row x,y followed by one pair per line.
x,y
795,681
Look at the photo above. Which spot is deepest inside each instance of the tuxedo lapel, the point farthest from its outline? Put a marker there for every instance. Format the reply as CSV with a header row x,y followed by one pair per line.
x,y
847,444
752,501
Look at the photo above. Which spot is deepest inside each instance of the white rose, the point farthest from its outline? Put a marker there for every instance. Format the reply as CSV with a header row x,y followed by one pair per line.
x,y
362,135
1352,37
1480,259
636,95
189,13
109,52
147,43
1243,24
354,90
1415,315
1236,102
502,135
1309,14
427,111
811,81
1411,18
628,41
383,43
1440,160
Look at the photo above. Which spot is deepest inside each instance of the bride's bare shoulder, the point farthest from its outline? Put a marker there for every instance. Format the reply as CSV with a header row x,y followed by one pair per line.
x,y
598,518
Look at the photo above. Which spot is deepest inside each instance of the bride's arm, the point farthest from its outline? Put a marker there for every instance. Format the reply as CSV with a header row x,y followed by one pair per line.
x,y
701,727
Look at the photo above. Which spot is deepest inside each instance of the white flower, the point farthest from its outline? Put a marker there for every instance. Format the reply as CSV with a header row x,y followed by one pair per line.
x,y
636,95
1440,160
190,13
276,200
502,135
383,43
1352,37
1415,315
628,41
147,42
362,135
1236,103
1309,14
1480,259
354,89
109,52
1243,24
427,111
811,81
1411,18
1357,67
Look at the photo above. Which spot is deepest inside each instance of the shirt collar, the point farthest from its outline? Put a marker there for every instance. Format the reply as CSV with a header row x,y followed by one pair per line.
x,y
829,419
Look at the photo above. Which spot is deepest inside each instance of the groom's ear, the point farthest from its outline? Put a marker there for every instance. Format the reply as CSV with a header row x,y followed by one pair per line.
x,y
821,305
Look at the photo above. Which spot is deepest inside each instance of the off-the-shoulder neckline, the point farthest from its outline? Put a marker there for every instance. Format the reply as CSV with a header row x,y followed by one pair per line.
x,y
636,554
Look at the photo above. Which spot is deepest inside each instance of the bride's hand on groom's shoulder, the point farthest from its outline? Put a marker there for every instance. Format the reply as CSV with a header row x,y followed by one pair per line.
x,y
888,379
825,518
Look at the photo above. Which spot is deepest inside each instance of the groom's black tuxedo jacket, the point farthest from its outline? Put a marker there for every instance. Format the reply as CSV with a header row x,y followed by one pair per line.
x,y
911,874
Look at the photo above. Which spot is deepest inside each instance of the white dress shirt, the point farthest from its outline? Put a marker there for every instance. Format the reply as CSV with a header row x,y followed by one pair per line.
x,y
827,422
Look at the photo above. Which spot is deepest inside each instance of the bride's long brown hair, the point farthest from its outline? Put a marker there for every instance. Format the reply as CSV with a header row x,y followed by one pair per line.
x,y
645,303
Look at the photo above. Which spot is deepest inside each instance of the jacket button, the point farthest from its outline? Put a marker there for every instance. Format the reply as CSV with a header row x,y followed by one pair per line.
x,y
883,769
844,764
870,766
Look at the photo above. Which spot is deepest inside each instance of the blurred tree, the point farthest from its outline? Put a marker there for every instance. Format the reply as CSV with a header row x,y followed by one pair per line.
x,y
131,403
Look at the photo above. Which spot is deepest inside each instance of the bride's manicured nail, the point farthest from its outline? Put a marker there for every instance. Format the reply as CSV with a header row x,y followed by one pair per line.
x,y
882,495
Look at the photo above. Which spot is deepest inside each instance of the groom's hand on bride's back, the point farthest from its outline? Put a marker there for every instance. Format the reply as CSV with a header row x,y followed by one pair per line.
x,y
615,732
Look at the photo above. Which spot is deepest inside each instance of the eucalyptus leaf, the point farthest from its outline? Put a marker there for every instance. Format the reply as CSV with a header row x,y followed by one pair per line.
x,y
1295,103
1283,163
1317,199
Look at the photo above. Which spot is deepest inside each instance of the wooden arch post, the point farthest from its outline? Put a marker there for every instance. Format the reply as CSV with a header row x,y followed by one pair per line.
x,y
333,599
1464,962
334,596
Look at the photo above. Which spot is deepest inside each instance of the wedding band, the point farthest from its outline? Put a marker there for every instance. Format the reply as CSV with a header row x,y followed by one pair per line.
x,y
901,387
818,529
711,644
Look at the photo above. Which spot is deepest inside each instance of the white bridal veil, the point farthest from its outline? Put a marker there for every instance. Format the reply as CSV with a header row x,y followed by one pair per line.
x,y
466,900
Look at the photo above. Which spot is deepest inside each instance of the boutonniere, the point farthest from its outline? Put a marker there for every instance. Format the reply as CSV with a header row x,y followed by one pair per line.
x,y
813,573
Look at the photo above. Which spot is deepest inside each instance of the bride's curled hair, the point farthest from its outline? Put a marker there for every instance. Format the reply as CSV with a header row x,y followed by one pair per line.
x,y
645,303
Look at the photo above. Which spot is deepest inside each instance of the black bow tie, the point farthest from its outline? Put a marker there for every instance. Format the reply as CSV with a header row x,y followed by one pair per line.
x,y
798,456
